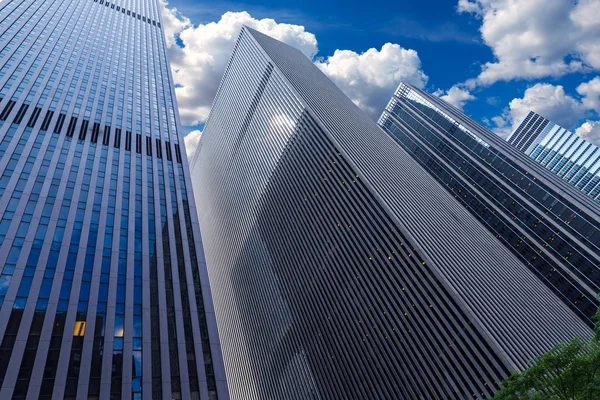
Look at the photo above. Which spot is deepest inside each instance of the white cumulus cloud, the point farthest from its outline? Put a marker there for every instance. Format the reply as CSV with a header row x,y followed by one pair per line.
x,y
456,96
192,140
370,78
499,121
173,23
591,92
549,101
532,39
468,6
590,131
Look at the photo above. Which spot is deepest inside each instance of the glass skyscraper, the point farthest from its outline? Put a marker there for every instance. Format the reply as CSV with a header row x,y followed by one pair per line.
x,y
103,286
550,226
563,152
340,268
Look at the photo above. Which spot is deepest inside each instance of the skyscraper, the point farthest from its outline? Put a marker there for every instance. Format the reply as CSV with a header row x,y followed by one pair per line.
x,y
340,268
567,155
551,227
103,286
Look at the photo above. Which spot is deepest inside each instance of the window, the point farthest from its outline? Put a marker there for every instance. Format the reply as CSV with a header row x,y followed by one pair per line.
x,y
95,132
34,117
21,113
127,140
83,129
168,150
106,137
148,145
79,328
71,127
7,110
117,142
158,149
59,123
177,153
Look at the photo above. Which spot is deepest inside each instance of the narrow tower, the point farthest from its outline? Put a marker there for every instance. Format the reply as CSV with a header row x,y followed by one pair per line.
x,y
103,286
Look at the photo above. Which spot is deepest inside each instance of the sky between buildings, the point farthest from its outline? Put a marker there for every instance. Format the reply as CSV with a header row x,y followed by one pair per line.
x,y
494,59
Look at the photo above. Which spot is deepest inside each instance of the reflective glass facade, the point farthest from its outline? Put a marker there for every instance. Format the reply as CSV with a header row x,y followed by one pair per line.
x,y
562,152
551,227
103,286
340,268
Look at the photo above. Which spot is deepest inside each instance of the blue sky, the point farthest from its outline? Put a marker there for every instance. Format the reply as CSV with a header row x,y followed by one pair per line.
x,y
496,58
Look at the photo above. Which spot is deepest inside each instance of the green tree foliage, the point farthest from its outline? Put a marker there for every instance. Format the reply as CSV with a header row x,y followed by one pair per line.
x,y
570,371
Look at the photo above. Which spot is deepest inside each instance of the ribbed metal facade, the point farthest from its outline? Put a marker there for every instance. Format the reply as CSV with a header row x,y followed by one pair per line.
x,y
103,286
551,227
341,269
564,153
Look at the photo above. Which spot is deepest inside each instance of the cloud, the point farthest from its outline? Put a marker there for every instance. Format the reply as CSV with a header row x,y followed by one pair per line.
x,y
173,24
549,101
370,78
493,100
199,65
455,96
536,38
467,6
192,140
499,121
590,131
591,93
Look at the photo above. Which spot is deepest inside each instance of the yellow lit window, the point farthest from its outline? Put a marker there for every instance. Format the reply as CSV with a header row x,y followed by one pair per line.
x,y
79,328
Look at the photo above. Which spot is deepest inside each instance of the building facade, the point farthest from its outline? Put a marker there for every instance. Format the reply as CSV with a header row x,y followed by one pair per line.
x,y
340,268
103,286
551,227
569,156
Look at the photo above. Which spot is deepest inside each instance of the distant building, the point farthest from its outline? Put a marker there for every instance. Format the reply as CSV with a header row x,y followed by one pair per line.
x,y
340,268
569,156
551,227
103,286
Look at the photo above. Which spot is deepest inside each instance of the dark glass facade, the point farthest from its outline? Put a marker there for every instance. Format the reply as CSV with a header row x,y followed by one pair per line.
x,y
550,226
103,285
341,269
